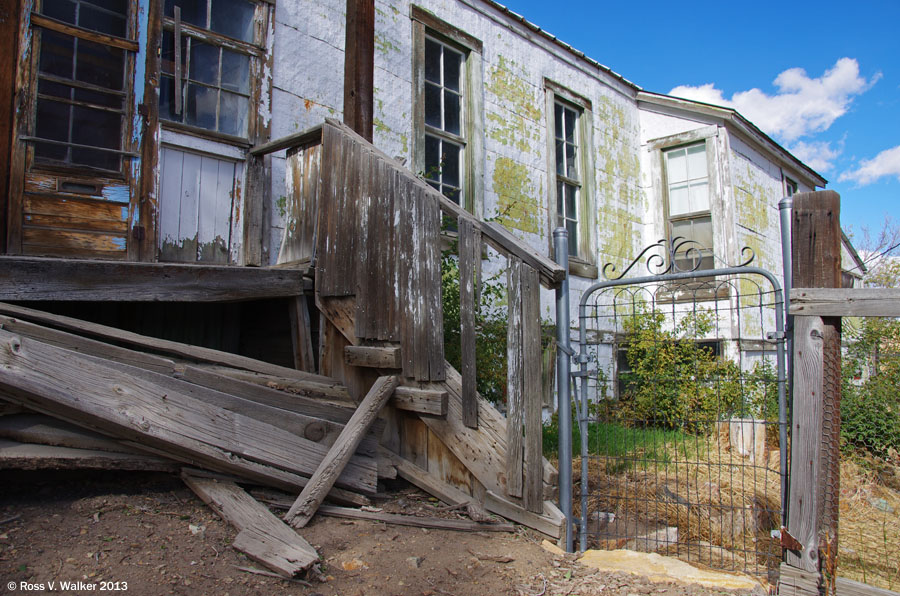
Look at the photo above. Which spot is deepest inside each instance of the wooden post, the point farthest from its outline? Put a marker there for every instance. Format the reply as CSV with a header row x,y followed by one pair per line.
x,y
815,442
515,380
359,66
469,255
9,36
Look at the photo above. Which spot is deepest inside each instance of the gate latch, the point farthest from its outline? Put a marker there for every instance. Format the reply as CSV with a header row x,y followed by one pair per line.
x,y
789,542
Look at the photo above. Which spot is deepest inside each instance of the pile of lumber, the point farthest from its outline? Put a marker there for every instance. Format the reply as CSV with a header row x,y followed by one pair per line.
x,y
75,394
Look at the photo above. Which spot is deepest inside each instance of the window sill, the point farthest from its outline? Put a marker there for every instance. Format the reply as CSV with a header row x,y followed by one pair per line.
x,y
582,268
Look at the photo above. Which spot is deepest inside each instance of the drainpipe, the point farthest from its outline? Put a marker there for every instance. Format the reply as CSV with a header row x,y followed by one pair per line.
x,y
564,397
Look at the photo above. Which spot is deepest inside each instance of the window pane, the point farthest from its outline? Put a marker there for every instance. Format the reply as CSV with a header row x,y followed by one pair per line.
x,y
204,63
676,166
108,100
167,99
52,121
696,230
571,168
696,161
63,10
572,227
433,106
452,112
233,114
699,196
200,108
235,72
560,158
432,61
101,20
96,127
192,11
432,158
57,54
233,18
167,53
450,164
55,89
117,6
571,202
560,201
679,200
452,69
569,129
100,65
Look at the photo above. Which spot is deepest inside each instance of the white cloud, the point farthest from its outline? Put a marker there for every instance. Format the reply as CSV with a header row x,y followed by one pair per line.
x,y
885,164
801,105
819,155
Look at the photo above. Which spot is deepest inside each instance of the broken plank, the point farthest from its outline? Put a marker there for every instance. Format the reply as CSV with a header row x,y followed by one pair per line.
x,y
70,341
26,456
422,401
372,356
428,483
182,350
118,403
339,455
46,430
437,523
326,390
261,536
551,525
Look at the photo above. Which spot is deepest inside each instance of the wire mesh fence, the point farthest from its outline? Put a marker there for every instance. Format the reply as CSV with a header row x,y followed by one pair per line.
x,y
679,421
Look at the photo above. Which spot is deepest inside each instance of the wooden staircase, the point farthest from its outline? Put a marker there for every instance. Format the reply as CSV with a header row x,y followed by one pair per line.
x,y
370,231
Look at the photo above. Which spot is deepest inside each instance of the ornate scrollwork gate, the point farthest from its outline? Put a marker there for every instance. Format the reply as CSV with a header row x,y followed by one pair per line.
x,y
681,410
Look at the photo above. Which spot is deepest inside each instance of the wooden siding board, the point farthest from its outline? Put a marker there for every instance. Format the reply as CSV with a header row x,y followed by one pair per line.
x,y
434,317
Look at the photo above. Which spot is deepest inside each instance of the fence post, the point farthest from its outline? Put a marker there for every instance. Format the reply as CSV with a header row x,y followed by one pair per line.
x,y
816,373
564,398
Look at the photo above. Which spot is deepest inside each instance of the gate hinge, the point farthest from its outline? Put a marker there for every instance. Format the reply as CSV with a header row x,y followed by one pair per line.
x,y
789,542
565,350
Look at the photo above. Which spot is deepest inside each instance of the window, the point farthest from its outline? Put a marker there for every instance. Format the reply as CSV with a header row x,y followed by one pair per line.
x,y
790,187
82,83
447,109
569,127
689,218
444,141
208,49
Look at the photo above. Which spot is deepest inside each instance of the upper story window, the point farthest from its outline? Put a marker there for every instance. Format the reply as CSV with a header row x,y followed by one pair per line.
x,y
790,187
82,83
568,176
208,49
571,166
688,204
445,140
447,109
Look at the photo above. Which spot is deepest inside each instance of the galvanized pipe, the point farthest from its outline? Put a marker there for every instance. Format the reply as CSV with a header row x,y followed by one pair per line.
x,y
785,365
564,398
784,209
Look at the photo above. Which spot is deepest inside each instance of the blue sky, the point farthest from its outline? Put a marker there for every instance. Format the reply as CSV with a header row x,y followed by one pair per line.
x,y
821,78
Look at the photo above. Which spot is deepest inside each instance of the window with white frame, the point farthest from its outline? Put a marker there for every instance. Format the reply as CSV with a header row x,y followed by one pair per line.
x,y
445,141
447,109
208,49
570,164
688,207
790,187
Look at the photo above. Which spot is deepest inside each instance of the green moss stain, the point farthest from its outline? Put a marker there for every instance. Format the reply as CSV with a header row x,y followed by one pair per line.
x,y
519,124
380,126
517,197
751,197
384,46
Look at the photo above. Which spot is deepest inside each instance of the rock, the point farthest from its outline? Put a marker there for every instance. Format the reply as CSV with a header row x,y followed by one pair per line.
x,y
415,562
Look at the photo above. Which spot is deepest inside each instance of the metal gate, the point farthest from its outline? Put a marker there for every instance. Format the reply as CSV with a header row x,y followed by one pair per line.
x,y
681,411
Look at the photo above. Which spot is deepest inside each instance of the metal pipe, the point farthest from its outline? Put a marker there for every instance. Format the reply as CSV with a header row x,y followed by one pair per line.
x,y
564,398
785,365
784,209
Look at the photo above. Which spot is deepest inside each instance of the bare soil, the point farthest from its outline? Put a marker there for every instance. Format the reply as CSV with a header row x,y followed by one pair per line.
x,y
140,533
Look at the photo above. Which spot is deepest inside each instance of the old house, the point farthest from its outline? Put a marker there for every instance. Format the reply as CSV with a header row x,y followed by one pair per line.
x,y
166,170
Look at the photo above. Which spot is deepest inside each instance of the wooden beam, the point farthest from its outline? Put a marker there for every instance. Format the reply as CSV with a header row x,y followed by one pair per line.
x,y
432,402
10,13
532,399
469,254
25,456
462,525
359,66
301,334
310,136
35,278
261,536
174,348
46,430
515,374
131,406
339,455
373,357
281,392
849,302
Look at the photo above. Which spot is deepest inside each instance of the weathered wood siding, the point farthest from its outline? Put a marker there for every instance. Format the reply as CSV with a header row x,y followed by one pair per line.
x,y
377,238
302,182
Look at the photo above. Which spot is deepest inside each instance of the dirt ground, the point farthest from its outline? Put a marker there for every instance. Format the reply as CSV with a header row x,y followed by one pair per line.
x,y
139,533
